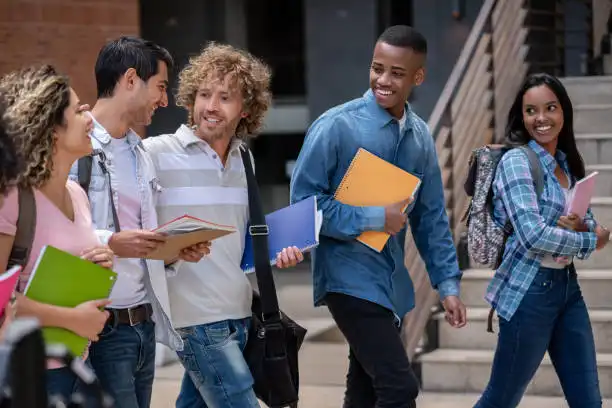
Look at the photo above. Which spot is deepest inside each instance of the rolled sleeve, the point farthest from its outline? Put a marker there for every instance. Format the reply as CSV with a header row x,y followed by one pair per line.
x,y
173,268
104,236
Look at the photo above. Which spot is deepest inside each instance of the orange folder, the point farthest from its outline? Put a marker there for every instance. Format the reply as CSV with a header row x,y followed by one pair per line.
x,y
372,181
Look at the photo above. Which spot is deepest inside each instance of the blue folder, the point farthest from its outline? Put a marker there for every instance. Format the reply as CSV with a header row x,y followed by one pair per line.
x,y
296,225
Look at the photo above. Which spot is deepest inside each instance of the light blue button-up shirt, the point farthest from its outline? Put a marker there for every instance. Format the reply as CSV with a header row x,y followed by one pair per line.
x,y
341,264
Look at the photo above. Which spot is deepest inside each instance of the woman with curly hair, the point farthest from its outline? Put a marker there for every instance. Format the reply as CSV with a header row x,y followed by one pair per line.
x,y
9,161
226,94
50,129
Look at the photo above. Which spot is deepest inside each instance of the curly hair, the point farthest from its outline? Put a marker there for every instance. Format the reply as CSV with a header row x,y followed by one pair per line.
x,y
249,74
36,98
9,160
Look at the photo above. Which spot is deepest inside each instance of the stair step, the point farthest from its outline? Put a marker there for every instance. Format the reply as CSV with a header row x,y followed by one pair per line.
x,y
596,287
603,181
593,118
449,370
456,400
475,336
595,148
589,89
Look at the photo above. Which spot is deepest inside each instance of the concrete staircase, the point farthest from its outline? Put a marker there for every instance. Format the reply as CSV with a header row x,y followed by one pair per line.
x,y
462,363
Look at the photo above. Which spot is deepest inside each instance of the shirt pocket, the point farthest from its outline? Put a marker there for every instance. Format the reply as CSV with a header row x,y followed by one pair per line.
x,y
156,189
97,183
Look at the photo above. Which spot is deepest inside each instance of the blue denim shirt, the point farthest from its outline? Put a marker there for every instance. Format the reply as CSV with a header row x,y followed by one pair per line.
x,y
342,264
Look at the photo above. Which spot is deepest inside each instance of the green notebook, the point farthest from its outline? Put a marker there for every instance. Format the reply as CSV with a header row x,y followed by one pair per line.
x,y
61,279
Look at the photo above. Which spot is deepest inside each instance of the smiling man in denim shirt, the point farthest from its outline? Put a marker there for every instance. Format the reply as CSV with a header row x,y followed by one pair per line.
x,y
368,292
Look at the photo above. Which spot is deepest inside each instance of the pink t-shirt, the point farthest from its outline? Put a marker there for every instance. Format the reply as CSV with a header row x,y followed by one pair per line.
x,y
52,226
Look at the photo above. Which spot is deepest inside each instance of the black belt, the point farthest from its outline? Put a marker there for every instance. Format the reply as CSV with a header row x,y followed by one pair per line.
x,y
132,316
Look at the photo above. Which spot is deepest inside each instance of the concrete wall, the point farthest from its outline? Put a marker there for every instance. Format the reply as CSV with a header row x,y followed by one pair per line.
x,y
445,39
340,36
338,57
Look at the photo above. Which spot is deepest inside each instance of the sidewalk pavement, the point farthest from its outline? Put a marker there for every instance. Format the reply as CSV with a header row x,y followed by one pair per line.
x,y
167,385
322,365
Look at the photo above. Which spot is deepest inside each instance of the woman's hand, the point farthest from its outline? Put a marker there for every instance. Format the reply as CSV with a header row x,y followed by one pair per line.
x,y
603,236
101,255
572,222
88,319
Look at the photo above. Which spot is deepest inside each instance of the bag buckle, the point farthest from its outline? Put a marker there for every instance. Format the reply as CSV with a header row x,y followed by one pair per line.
x,y
278,315
259,230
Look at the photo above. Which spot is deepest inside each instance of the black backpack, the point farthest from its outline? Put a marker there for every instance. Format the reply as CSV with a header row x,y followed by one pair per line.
x,y
26,227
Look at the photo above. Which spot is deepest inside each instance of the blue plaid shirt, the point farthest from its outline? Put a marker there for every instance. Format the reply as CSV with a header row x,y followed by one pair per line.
x,y
535,231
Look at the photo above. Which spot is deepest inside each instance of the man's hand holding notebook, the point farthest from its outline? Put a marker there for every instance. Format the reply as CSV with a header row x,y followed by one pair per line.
x,y
395,216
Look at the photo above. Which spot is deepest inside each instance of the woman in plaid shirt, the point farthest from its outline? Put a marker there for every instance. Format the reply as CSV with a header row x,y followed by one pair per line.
x,y
535,291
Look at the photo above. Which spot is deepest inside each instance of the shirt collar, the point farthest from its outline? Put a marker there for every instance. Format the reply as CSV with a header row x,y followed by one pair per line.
x,y
102,135
380,114
546,158
187,137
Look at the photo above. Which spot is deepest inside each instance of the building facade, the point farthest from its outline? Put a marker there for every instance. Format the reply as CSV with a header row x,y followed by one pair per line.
x,y
319,51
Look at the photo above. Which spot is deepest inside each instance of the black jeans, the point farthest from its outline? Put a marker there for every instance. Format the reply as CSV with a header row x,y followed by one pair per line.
x,y
379,374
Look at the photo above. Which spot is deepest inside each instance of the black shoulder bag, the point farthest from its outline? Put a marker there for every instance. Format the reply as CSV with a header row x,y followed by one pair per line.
x,y
274,339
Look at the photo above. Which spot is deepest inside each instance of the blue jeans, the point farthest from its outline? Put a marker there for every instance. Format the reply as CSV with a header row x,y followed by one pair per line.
x,y
551,317
216,374
61,382
124,361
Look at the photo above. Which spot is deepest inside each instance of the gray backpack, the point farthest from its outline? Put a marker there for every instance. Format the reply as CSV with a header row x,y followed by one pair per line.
x,y
486,239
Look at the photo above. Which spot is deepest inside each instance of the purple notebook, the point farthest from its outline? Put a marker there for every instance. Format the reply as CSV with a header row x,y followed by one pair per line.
x,y
296,225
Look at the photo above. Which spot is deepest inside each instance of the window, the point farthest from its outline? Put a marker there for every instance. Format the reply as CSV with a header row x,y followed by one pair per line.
x,y
275,33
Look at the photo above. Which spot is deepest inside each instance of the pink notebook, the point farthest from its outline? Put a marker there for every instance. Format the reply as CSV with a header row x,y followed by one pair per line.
x,y
8,283
581,195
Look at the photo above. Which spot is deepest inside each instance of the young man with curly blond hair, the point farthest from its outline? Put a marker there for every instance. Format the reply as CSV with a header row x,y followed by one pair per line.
x,y
226,93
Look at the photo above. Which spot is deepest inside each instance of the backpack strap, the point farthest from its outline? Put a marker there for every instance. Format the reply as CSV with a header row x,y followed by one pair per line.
x,y
84,172
538,178
26,227
84,169
536,169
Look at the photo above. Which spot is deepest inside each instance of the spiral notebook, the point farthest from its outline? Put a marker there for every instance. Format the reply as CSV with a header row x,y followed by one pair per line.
x,y
296,225
61,279
372,181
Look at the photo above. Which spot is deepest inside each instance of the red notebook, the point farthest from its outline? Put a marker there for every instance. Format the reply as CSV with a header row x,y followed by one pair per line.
x,y
8,283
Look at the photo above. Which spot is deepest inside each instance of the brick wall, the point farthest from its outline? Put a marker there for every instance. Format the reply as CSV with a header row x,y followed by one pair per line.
x,y
66,33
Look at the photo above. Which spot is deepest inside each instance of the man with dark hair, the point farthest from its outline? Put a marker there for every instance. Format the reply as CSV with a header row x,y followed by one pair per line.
x,y
368,292
132,78
129,52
